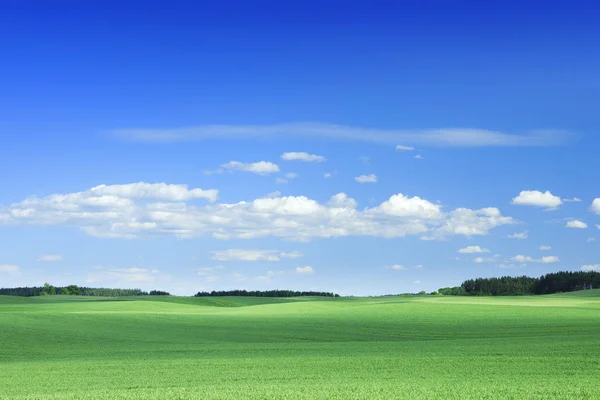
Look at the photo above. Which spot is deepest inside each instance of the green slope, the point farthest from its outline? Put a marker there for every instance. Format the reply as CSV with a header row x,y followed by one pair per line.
x,y
262,348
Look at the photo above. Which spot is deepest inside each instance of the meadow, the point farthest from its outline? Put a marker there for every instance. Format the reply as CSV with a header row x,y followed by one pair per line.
x,y
421,347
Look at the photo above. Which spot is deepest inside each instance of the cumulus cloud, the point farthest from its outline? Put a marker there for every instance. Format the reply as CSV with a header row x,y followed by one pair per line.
x,y
576,224
9,269
49,258
544,260
260,167
371,178
302,156
305,270
589,268
449,137
473,249
253,255
480,260
544,248
519,235
537,199
404,148
296,218
595,207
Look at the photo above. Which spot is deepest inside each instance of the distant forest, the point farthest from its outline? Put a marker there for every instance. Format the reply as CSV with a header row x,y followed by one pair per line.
x,y
557,282
266,293
74,290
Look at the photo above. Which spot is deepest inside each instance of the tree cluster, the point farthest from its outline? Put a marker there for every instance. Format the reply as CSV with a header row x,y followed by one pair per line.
x,y
266,293
158,293
73,290
556,282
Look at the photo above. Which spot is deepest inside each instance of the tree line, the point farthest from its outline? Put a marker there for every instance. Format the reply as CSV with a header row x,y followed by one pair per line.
x,y
556,282
74,290
265,293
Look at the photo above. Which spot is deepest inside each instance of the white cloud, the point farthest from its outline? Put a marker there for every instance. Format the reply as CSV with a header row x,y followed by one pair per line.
x,y
417,282
289,217
473,249
327,175
527,259
418,157
397,267
291,175
274,194
590,240
572,200
305,270
260,167
50,258
544,248
371,178
589,268
451,137
404,148
281,180
9,269
598,226
302,156
537,199
576,224
519,235
595,207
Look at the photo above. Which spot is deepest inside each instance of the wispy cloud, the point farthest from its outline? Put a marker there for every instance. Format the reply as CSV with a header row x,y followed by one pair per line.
x,y
544,260
473,249
449,137
519,235
404,148
372,178
302,156
260,167
305,270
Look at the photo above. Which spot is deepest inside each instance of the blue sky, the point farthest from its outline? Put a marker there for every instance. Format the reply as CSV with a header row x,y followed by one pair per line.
x,y
190,147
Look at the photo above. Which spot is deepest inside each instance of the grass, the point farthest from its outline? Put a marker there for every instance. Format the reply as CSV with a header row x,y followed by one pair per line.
x,y
64,347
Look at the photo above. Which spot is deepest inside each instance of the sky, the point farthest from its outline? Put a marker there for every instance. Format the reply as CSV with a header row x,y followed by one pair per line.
x,y
363,148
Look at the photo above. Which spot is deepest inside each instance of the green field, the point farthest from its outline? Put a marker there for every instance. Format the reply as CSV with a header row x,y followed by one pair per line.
x,y
67,347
